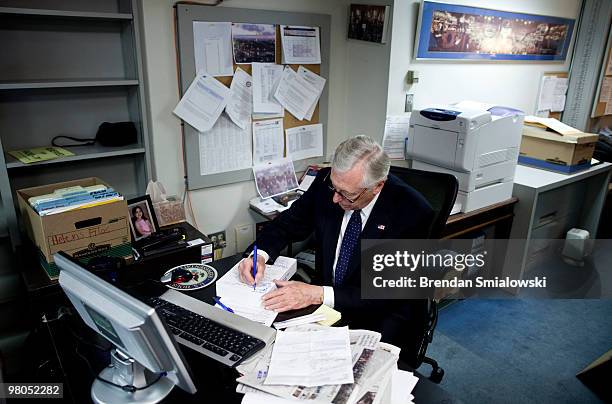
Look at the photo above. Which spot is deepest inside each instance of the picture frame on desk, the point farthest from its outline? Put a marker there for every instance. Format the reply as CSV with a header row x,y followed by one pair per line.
x,y
143,221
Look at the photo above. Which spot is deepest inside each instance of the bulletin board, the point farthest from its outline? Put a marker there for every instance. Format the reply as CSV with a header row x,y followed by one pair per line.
x,y
186,15
603,97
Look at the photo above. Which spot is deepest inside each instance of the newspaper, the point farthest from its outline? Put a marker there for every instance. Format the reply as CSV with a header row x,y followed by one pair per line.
x,y
367,354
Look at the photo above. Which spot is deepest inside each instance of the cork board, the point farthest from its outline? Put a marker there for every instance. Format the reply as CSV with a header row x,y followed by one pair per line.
x,y
185,16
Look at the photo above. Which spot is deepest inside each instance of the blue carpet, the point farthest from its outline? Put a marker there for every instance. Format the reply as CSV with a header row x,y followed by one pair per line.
x,y
520,350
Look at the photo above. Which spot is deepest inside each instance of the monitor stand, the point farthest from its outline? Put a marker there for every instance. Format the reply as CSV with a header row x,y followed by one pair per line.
x,y
125,371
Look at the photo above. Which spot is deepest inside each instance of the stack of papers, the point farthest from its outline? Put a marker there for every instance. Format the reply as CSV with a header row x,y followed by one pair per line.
x,y
375,377
77,197
311,358
245,300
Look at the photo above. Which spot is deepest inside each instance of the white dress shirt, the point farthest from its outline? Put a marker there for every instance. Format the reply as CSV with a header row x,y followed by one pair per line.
x,y
328,291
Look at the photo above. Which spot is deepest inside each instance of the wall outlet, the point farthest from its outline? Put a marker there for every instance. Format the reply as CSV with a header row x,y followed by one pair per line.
x,y
409,103
245,234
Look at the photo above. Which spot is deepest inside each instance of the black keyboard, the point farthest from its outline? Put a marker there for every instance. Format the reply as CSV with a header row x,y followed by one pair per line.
x,y
207,336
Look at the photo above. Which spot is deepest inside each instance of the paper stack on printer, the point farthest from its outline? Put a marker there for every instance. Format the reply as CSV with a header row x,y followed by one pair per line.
x,y
245,300
309,363
77,197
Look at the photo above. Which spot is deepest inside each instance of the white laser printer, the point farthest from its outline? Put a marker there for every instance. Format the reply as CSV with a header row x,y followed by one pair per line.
x,y
479,146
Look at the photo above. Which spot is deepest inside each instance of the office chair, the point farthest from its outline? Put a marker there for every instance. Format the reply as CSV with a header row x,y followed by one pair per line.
x,y
440,190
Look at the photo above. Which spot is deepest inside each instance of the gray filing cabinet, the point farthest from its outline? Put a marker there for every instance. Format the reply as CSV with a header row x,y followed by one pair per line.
x,y
549,205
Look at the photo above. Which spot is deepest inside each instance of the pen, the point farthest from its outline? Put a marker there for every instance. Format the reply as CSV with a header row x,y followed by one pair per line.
x,y
217,300
254,264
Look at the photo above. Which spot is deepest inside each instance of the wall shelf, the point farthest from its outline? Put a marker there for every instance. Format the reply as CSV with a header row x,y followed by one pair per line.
x,y
32,84
80,153
37,12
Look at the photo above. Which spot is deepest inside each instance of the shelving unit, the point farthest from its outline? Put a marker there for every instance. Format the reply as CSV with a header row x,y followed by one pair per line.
x,y
68,66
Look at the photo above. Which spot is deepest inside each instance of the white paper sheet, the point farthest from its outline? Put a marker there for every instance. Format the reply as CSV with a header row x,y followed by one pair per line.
x,y
317,82
300,44
246,301
311,358
203,102
295,93
212,42
225,147
240,104
264,398
558,103
552,93
268,140
547,88
301,320
266,77
305,141
402,384
275,178
396,133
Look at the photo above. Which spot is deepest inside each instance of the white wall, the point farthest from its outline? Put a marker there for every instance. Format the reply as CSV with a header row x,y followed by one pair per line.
x,y
225,207
513,84
367,81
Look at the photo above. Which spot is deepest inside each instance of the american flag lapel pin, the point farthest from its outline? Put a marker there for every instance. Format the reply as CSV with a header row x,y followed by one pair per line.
x,y
381,227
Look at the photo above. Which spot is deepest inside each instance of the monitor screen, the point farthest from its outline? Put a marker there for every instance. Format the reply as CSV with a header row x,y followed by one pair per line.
x,y
132,326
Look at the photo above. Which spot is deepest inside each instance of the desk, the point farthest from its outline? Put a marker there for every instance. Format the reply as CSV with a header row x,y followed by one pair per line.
x,y
499,216
215,382
550,204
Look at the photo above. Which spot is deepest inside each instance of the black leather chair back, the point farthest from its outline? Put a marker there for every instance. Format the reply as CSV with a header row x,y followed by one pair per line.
x,y
439,189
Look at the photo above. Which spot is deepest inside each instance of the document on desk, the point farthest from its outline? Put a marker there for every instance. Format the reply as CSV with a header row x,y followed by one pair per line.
x,y
311,358
212,43
240,104
300,45
295,94
268,141
304,141
225,148
363,344
266,77
203,102
246,301
317,82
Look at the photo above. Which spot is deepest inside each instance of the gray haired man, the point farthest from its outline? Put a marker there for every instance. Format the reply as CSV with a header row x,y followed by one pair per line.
x,y
357,198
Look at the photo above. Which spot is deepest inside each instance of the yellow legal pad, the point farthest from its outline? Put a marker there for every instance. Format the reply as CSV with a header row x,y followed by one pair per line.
x,y
38,154
331,316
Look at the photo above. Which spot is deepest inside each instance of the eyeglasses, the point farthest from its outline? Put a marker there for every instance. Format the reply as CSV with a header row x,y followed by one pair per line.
x,y
333,189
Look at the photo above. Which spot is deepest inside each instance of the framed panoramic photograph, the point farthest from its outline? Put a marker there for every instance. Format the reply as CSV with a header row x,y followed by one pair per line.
x,y
450,31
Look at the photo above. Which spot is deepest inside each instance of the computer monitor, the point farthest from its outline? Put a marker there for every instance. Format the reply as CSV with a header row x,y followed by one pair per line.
x,y
146,361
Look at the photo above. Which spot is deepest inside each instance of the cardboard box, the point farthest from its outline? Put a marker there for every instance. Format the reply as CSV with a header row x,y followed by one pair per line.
x,y
566,153
82,233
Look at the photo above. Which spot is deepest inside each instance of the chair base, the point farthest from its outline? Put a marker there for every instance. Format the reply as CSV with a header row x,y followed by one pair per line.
x,y
437,373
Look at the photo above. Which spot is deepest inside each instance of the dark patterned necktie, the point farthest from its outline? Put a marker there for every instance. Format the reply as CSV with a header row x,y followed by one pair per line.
x,y
349,243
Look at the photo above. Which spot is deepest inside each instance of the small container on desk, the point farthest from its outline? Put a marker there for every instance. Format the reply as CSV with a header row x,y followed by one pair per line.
x,y
198,249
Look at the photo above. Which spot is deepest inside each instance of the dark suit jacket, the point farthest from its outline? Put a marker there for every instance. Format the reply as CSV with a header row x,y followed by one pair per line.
x,y
399,213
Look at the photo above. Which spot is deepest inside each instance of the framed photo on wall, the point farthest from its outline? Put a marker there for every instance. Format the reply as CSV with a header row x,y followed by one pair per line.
x,y
450,31
143,221
368,23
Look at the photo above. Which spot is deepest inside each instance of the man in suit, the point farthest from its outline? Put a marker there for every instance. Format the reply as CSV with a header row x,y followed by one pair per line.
x,y
356,199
